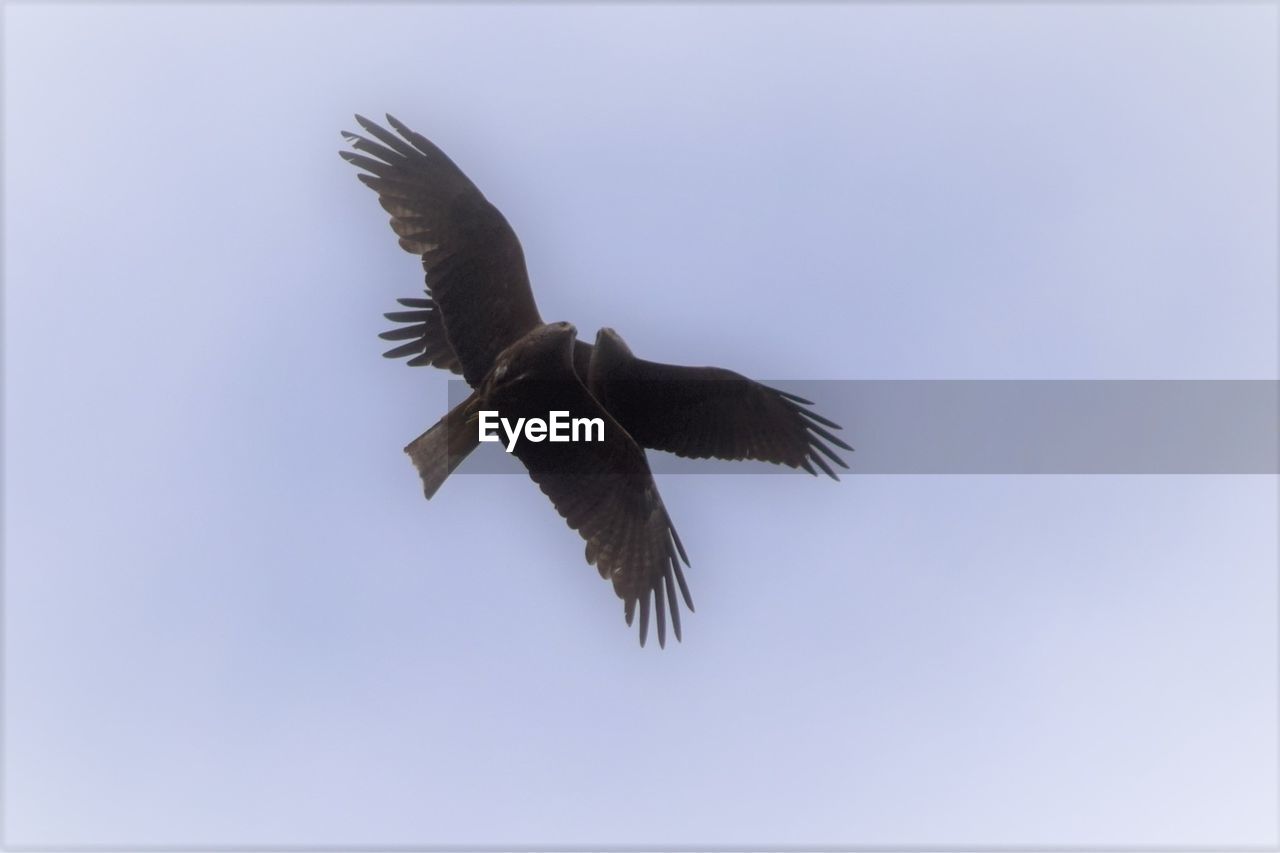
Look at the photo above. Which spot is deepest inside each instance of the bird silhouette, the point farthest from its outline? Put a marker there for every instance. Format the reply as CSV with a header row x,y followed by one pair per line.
x,y
479,318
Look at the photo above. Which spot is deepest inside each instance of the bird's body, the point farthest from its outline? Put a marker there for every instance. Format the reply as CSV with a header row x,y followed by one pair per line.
x,y
479,319
604,490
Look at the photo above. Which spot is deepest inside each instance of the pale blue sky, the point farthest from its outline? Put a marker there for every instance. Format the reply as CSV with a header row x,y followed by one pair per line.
x,y
232,618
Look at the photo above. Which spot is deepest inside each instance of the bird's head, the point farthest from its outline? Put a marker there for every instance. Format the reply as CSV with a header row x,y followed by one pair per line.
x,y
610,359
546,349
556,337
611,343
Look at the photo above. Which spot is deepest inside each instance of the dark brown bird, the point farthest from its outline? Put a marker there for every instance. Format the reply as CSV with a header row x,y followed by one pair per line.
x,y
479,306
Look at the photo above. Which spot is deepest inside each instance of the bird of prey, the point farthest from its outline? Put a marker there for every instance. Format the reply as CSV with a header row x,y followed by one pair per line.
x,y
479,319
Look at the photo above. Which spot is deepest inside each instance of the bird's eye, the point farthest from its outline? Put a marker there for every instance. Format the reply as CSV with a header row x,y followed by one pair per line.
x,y
500,371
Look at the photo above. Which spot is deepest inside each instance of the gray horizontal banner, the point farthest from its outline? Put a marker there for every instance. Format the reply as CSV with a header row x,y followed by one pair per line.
x,y
1016,427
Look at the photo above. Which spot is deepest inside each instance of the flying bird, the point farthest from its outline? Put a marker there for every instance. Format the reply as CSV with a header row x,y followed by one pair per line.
x,y
479,319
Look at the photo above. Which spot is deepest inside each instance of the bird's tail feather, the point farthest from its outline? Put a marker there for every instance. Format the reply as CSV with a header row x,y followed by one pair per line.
x,y
441,449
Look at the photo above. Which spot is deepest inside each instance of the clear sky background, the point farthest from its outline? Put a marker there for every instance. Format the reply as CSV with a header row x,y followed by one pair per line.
x,y
230,617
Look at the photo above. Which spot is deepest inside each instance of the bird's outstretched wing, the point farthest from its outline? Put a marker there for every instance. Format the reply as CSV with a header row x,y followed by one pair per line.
x,y
474,264
605,491
703,412
423,333
697,412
